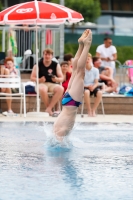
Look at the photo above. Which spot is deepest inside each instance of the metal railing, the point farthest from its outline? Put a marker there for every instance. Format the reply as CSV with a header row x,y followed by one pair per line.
x,y
23,38
123,71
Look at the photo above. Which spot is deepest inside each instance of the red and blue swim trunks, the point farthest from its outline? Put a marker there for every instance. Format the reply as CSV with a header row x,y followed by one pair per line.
x,y
68,101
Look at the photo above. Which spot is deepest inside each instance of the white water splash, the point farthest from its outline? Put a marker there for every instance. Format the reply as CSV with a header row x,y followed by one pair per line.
x,y
52,143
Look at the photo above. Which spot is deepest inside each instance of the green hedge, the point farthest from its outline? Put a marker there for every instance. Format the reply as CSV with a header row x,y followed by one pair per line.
x,y
124,52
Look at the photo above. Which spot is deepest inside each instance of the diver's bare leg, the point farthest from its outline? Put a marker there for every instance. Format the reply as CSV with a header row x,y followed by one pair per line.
x,y
65,121
77,87
80,49
77,56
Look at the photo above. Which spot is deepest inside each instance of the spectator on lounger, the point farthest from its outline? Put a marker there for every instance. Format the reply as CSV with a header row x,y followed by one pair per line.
x,y
9,64
106,75
5,71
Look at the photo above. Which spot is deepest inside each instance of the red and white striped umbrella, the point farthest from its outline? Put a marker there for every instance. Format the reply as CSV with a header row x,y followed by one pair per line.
x,y
38,12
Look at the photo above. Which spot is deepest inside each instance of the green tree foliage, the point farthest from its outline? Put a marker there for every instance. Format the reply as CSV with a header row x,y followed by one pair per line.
x,y
124,52
90,9
1,8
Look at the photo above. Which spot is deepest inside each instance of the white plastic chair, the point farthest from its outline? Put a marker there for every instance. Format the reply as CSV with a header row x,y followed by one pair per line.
x,y
8,81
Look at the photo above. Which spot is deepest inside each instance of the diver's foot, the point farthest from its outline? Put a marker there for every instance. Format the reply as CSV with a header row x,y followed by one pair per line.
x,y
88,38
83,36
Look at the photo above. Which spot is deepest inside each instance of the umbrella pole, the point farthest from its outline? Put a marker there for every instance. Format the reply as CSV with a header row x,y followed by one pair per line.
x,y
37,81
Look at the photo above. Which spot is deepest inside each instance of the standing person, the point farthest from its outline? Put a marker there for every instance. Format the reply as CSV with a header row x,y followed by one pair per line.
x,y
50,75
72,98
108,54
66,75
3,72
91,87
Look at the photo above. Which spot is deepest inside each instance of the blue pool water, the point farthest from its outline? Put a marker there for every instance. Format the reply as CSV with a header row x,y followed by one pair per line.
x,y
98,166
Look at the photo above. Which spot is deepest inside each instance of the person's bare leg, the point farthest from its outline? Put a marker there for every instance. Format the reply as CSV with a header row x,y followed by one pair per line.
x,y
43,91
109,89
7,90
103,88
76,57
58,92
113,86
77,88
80,49
108,72
96,103
57,106
87,102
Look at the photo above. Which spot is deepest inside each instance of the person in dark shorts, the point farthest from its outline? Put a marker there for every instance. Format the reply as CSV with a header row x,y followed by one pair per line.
x,y
94,92
50,77
91,87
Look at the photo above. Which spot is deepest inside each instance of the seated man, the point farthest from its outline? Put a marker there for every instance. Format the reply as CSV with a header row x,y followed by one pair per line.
x,y
91,86
50,75
66,75
4,71
106,75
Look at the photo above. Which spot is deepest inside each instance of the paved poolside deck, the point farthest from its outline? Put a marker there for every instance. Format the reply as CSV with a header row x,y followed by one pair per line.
x,y
97,119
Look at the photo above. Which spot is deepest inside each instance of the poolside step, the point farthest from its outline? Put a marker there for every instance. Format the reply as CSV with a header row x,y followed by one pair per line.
x,y
112,105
